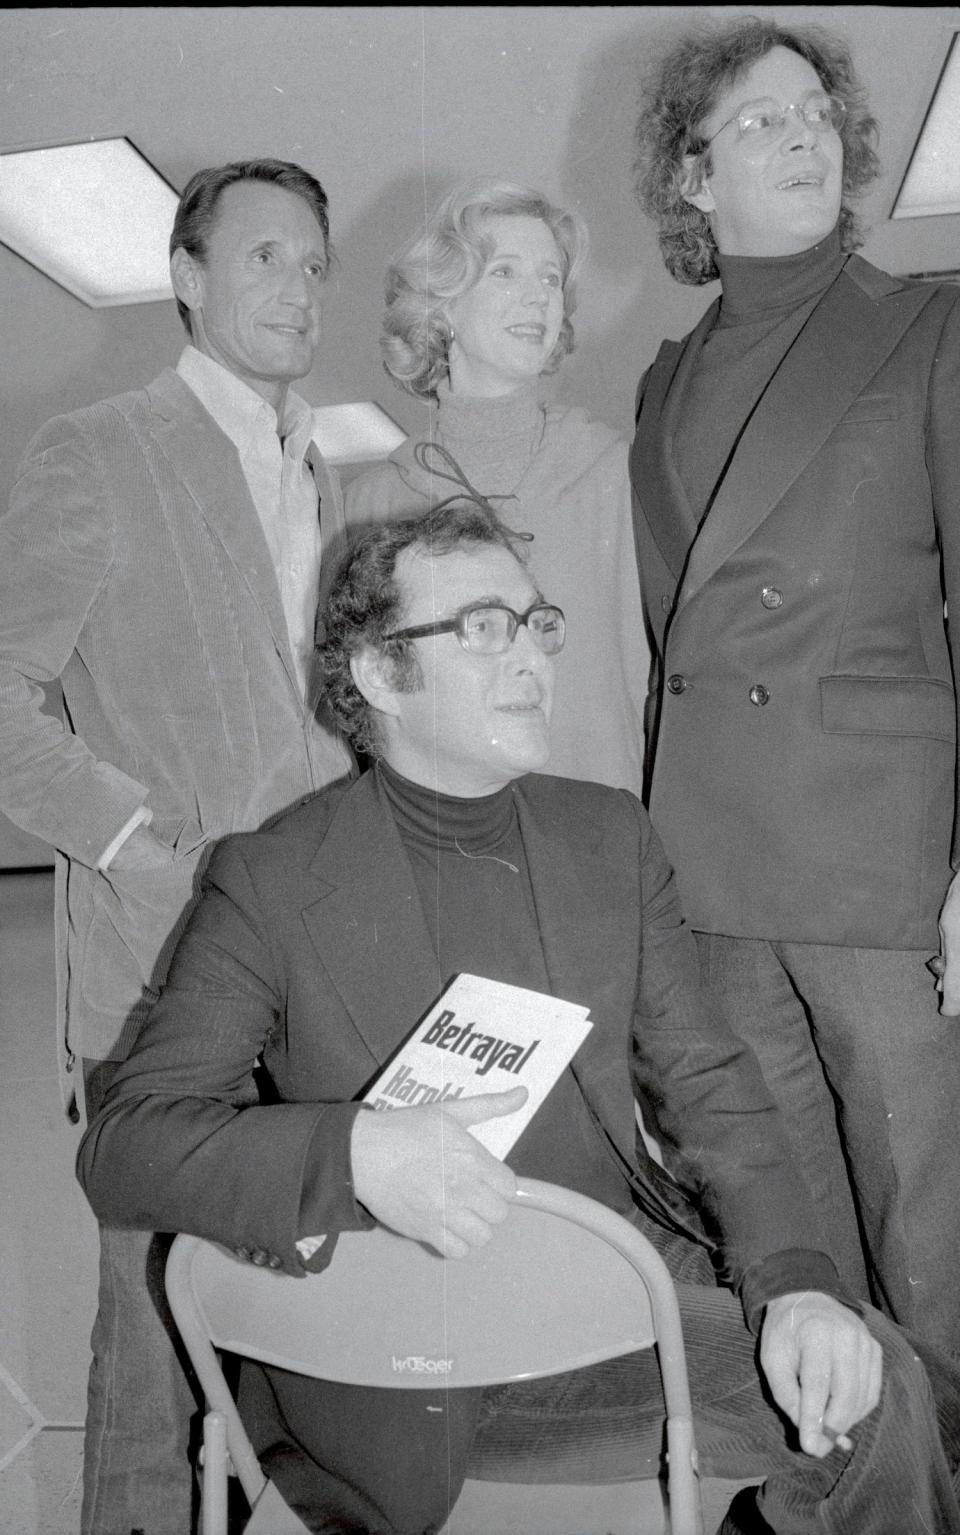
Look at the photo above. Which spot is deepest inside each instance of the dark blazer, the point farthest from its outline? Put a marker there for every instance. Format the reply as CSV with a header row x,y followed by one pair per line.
x,y
133,566
309,948
804,714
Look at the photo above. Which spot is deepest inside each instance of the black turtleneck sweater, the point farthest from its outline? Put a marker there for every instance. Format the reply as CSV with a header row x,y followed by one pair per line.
x,y
766,302
471,874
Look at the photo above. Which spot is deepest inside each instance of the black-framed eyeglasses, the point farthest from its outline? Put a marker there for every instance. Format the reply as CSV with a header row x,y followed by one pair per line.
x,y
488,629
764,119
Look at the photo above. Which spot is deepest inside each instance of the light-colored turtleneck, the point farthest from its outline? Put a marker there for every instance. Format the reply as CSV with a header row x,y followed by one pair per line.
x,y
493,440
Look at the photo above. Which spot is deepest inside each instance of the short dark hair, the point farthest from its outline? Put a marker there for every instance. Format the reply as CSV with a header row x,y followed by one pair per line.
x,y
365,604
197,207
445,258
683,88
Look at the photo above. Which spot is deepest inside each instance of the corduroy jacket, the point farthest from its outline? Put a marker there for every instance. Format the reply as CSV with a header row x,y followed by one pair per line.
x,y
133,567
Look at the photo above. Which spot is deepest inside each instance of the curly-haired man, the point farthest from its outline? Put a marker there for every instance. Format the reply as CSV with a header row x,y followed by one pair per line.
x,y
796,468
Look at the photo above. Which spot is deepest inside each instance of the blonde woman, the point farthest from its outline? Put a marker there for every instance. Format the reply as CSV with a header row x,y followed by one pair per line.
x,y
479,306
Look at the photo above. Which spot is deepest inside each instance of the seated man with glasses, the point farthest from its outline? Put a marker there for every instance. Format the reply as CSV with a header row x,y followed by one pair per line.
x,y
796,474
321,940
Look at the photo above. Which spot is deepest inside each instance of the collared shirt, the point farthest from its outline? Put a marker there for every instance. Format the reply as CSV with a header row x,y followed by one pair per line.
x,y
282,488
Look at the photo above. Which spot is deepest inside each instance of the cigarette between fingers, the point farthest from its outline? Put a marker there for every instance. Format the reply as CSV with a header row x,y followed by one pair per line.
x,y
844,1442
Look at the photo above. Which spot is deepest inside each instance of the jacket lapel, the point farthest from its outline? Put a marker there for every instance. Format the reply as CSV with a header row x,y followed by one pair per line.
x,y
205,461
587,909
367,925
846,340
653,470
369,931
332,527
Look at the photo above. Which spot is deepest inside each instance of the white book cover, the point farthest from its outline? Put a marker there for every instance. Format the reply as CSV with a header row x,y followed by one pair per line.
x,y
482,1036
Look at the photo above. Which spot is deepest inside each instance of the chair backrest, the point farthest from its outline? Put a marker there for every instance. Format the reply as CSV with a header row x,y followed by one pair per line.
x,y
563,1283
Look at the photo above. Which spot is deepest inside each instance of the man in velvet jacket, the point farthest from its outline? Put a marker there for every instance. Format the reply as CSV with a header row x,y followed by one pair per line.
x,y
316,946
160,557
796,471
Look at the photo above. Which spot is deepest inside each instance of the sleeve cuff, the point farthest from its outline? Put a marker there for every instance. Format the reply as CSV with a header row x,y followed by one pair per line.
x,y
780,1273
327,1202
141,817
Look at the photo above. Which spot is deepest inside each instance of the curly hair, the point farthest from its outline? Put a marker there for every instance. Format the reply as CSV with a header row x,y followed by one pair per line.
x,y
445,259
365,604
683,89
197,207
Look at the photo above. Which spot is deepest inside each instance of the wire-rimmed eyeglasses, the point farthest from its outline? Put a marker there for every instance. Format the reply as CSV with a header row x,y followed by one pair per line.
x,y
763,119
489,629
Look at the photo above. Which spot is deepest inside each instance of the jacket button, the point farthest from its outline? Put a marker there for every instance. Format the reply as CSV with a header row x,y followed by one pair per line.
x,y
771,597
259,1257
676,683
666,602
759,695
274,1262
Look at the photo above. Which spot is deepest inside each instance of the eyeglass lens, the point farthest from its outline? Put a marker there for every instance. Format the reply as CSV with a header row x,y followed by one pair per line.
x,y
488,631
767,116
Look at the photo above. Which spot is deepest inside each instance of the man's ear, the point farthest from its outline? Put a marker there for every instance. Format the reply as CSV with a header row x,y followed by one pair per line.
x,y
186,275
373,674
695,186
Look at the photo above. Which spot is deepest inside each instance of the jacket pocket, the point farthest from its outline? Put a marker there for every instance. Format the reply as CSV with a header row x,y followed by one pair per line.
x,y
138,914
888,706
871,407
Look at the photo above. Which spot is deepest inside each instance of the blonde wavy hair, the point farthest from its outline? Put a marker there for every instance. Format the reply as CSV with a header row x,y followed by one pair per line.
x,y
445,259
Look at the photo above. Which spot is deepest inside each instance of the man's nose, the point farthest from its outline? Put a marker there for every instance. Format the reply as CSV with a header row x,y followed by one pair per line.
x,y
296,287
525,654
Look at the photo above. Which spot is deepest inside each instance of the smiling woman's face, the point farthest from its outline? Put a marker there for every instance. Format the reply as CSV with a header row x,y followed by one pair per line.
x,y
506,326
773,198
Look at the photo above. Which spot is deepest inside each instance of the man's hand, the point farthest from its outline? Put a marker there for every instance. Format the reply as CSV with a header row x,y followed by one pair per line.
x,y
949,983
420,1171
821,1364
142,850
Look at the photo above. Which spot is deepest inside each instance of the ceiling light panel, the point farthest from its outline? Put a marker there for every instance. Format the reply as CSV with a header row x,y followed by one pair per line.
x,y
355,434
96,217
932,183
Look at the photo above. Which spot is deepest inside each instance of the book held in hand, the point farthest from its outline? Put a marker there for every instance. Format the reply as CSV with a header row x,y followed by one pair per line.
x,y
482,1036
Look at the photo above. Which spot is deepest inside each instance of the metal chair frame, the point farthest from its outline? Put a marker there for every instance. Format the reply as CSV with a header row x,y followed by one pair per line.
x,y
578,1282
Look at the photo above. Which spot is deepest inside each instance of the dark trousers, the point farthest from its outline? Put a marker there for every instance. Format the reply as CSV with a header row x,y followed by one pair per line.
x,y
867,1074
